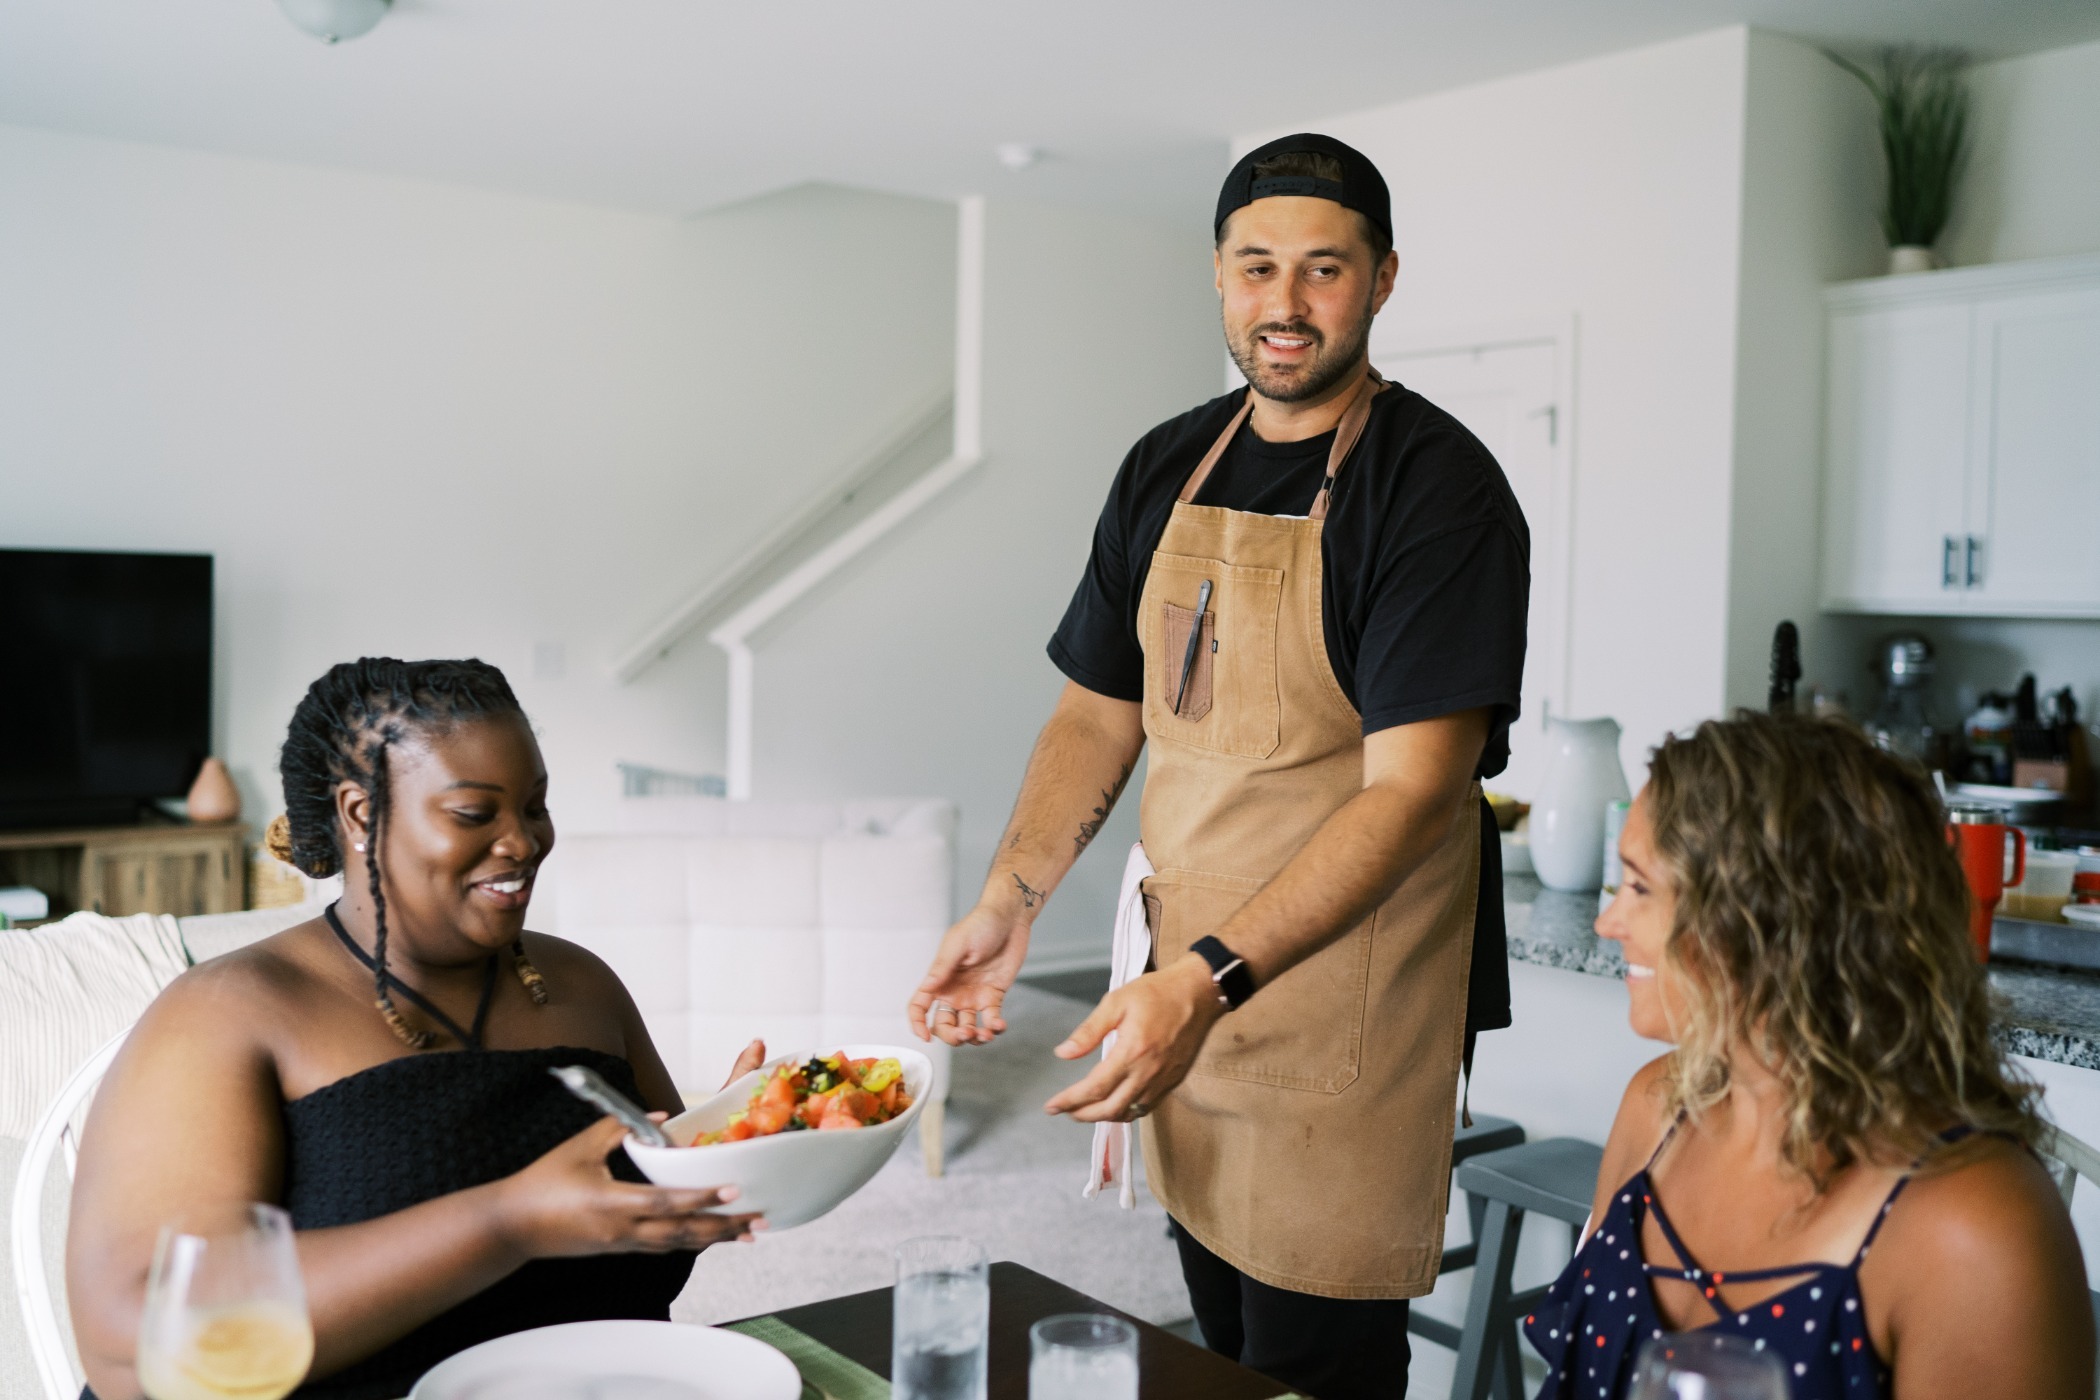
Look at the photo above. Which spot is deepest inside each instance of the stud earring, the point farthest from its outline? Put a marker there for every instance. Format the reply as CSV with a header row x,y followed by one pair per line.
x,y
358,846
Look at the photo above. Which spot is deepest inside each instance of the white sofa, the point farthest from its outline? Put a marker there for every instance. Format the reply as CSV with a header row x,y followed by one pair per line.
x,y
802,924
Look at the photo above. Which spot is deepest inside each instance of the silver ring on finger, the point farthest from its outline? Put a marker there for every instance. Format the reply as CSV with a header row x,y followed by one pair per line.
x,y
933,1012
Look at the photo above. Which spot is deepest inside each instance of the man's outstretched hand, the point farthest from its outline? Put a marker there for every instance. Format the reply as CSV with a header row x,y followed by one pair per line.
x,y
978,960
1160,1021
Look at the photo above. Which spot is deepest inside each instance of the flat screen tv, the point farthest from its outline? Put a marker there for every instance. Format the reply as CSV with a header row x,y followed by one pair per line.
x,y
105,683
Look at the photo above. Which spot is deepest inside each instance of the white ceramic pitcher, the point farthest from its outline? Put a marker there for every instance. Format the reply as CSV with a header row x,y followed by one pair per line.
x,y
1567,821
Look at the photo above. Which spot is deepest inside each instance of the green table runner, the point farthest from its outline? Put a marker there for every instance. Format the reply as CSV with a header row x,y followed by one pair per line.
x,y
826,1375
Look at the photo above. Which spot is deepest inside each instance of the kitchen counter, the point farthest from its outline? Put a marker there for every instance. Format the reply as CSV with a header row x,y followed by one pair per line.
x,y
2049,1014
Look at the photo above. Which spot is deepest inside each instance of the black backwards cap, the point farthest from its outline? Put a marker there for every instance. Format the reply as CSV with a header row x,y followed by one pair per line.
x,y
1361,187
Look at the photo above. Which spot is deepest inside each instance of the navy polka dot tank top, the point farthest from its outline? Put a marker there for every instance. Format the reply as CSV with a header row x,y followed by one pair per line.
x,y
1593,1321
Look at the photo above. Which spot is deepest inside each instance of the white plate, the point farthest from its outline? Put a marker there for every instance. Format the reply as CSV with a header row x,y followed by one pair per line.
x,y
2083,915
615,1360
790,1178
2011,796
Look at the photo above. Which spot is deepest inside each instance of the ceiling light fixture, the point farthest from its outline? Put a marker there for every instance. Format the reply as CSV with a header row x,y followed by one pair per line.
x,y
334,20
1019,155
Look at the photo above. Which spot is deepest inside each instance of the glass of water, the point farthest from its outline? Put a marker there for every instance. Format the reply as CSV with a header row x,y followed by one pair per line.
x,y
1082,1356
944,1301
1706,1366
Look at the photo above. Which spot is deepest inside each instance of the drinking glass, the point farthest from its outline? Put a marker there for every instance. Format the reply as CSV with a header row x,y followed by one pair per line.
x,y
944,1303
1706,1366
225,1315
1082,1356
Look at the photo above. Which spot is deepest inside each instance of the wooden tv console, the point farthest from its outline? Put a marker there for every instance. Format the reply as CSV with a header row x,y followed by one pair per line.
x,y
171,868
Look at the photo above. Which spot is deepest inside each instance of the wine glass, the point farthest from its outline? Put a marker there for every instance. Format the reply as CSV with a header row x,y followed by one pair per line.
x,y
225,1315
1706,1366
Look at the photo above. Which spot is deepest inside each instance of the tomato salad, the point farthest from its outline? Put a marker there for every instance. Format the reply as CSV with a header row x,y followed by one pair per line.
x,y
829,1091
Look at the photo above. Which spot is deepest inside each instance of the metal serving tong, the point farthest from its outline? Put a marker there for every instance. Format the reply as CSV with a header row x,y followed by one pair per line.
x,y
1188,654
591,1087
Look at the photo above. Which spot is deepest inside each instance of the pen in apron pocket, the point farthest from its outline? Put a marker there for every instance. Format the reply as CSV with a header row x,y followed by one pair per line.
x,y
1188,655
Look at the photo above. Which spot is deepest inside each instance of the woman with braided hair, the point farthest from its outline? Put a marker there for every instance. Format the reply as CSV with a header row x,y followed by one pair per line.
x,y
381,1071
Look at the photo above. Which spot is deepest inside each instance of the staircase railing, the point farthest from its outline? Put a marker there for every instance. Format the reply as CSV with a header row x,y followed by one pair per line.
x,y
734,633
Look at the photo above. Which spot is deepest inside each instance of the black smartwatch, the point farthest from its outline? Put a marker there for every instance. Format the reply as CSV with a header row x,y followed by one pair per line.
x,y
1228,972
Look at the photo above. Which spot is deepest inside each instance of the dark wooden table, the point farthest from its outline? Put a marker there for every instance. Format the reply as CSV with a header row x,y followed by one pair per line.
x,y
858,1326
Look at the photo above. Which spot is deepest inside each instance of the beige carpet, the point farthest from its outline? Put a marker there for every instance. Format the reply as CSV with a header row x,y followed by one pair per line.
x,y
1013,1182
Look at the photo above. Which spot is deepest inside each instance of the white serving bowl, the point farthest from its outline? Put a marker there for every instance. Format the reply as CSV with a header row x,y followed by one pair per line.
x,y
643,1360
790,1178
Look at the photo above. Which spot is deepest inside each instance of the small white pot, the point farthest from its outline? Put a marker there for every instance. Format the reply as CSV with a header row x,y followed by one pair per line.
x,y
1911,257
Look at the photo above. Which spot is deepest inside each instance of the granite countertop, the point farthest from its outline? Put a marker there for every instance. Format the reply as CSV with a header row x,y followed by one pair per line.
x,y
2050,1013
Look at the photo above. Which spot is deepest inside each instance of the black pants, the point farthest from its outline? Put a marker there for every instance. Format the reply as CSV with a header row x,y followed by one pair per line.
x,y
1329,1348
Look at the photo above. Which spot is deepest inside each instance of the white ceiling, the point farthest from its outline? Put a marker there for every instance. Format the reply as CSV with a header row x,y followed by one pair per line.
x,y
680,105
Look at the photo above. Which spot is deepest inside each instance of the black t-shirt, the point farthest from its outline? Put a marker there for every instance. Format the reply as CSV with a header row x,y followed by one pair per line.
x,y
1425,584
1426,572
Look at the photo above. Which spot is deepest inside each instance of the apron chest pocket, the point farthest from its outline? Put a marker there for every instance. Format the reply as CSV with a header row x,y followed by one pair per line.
x,y
1231,704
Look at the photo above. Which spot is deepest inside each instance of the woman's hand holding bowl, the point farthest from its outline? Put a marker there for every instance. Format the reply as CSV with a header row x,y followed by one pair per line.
x,y
569,1203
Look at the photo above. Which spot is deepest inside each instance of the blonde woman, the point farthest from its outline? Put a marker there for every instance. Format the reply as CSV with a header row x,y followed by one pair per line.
x,y
1834,1162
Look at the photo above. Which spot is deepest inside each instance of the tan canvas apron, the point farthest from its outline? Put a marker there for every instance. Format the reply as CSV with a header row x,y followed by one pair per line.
x,y
1310,1146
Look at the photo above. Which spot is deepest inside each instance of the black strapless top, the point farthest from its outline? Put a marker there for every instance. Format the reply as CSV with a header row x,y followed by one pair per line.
x,y
403,1132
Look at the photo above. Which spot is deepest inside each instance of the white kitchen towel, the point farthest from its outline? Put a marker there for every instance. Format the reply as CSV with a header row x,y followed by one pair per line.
x,y
67,987
1111,1164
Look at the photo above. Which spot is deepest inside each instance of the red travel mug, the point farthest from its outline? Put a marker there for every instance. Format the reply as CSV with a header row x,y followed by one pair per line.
x,y
1978,831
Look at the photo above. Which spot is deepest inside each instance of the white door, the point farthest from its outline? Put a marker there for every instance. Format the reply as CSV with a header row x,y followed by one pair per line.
x,y
2035,485
1894,452
1508,395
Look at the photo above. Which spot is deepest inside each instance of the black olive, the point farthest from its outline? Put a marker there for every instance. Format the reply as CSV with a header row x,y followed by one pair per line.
x,y
821,1076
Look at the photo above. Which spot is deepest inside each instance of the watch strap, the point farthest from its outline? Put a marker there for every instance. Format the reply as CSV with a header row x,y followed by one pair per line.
x,y
1228,972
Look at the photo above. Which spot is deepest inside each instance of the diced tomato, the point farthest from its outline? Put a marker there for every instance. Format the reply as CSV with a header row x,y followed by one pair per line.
x,y
767,1118
739,1130
892,1099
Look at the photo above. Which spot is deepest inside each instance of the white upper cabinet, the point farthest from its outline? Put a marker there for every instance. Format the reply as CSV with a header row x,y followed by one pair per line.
x,y
1962,442
2034,487
1894,451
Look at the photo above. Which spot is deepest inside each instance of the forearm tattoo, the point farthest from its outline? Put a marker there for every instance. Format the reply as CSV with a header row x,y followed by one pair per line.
x,y
1091,828
1030,897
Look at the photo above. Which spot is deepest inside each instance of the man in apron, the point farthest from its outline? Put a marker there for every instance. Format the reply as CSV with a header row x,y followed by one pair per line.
x,y
1308,597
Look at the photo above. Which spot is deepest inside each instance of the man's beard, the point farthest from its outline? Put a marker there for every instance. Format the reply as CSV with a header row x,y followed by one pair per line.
x,y
1329,366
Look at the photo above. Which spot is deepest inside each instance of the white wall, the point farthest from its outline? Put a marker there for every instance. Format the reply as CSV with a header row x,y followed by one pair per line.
x,y
2032,186
1610,189
423,420
1096,328
1809,156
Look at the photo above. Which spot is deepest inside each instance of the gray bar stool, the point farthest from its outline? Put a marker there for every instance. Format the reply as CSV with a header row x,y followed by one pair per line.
x,y
1555,1177
1486,1135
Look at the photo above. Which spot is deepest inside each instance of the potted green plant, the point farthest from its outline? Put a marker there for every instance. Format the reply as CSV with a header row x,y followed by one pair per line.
x,y
1923,103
